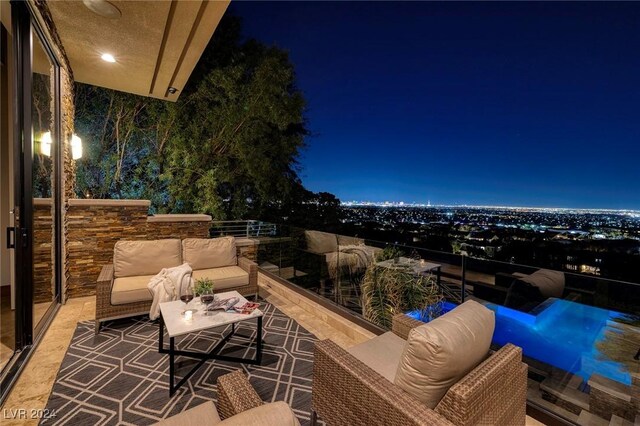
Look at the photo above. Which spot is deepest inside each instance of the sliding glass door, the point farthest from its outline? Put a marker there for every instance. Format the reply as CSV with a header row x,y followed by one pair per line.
x,y
34,236
44,170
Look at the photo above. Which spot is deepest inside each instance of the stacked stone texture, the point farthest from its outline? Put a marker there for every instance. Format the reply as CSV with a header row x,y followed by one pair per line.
x,y
191,229
92,231
608,397
43,251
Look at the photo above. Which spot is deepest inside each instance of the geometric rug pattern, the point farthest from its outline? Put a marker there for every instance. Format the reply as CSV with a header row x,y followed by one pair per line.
x,y
118,377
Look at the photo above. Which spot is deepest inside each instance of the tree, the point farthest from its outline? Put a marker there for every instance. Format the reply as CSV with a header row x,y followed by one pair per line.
x,y
228,147
237,151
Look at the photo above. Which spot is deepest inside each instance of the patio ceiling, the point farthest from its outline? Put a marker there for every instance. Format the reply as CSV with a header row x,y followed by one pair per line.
x,y
156,44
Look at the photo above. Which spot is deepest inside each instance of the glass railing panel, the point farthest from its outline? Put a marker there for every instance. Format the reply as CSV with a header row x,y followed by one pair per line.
x,y
580,335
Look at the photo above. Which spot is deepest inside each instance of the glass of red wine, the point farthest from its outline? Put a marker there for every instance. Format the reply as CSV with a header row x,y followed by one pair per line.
x,y
207,299
186,295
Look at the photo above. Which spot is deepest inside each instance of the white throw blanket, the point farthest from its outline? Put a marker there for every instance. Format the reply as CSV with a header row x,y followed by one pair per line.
x,y
166,286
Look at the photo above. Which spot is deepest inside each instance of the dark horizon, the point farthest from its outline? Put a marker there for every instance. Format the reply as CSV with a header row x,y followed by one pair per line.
x,y
522,104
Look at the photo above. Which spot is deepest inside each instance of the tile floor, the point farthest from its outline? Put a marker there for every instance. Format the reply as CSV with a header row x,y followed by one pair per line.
x,y
36,381
32,389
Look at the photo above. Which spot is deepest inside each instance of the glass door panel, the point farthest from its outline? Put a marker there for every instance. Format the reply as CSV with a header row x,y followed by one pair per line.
x,y
45,146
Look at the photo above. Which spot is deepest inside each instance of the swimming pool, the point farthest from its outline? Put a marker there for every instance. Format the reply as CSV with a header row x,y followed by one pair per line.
x,y
560,333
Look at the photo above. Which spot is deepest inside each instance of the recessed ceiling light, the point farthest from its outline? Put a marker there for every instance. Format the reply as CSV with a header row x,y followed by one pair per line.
x,y
108,57
103,8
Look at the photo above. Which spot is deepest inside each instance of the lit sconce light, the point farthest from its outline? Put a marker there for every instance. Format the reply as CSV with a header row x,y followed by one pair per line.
x,y
45,144
76,147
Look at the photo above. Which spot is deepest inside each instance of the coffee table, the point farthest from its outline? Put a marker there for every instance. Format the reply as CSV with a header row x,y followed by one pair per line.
x,y
177,325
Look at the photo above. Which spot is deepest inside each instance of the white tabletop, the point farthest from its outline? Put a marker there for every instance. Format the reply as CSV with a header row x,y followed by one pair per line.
x,y
417,266
177,325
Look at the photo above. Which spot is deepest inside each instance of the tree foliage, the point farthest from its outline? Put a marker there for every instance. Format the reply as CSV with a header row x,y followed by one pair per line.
x,y
228,147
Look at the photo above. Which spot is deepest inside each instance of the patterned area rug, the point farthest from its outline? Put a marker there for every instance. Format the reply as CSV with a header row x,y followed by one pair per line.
x,y
118,376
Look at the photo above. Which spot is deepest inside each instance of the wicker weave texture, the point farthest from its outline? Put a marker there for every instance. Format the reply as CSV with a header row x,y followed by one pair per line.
x,y
494,393
252,269
346,392
402,324
235,394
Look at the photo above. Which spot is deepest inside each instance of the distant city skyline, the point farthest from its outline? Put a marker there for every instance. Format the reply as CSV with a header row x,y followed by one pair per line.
x,y
362,203
479,103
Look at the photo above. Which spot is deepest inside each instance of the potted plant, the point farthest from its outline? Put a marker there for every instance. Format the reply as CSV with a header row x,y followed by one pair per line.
x,y
202,286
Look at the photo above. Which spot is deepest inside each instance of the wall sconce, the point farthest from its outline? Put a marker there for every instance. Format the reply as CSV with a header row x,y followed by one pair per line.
x,y
76,147
45,144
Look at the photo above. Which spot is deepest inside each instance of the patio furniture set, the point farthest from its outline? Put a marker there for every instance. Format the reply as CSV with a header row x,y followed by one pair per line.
x,y
438,373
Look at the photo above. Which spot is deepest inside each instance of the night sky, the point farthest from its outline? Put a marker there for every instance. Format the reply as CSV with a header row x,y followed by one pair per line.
x,y
508,103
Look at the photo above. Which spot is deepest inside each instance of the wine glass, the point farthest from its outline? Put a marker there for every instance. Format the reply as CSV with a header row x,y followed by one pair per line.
x,y
207,299
186,295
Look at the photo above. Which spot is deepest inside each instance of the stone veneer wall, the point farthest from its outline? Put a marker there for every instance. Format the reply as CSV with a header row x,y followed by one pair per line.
x,y
94,226
42,251
178,226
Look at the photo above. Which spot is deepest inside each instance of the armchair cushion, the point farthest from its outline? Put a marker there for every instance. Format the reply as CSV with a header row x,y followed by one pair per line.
x,y
206,253
223,278
131,289
274,414
200,415
321,242
441,352
135,258
382,354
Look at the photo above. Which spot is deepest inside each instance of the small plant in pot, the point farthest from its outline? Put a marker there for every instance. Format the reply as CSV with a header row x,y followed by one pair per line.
x,y
203,286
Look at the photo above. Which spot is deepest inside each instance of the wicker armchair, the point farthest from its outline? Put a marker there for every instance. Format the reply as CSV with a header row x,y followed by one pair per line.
x,y
348,392
235,394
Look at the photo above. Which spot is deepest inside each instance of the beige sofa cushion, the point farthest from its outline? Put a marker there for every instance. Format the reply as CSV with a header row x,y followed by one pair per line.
x,y
321,242
205,253
550,283
440,353
223,278
131,290
134,258
200,415
382,354
274,414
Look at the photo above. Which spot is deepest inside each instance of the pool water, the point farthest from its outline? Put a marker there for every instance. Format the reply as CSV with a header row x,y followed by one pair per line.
x,y
560,333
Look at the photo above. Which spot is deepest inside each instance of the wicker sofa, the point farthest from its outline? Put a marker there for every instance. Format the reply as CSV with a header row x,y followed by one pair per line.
x,y
121,289
238,405
350,390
